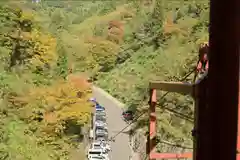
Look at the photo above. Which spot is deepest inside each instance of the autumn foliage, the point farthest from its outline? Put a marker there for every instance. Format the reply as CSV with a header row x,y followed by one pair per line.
x,y
55,105
116,31
31,47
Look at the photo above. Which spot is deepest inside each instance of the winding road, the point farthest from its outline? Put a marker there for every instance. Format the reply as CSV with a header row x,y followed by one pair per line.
x,y
121,149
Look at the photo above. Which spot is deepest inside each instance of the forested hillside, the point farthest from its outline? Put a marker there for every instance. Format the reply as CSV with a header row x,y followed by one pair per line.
x,y
42,112
161,44
121,45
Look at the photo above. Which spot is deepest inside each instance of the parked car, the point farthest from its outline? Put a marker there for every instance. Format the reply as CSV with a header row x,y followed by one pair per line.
x,y
101,132
95,152
100,110
100,118
100,114
128,115
96,145
101,127
101,137
98,158
99,107
100,123
101,145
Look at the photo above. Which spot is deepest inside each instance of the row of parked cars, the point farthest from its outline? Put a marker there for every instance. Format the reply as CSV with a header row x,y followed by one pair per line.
x,y
100,147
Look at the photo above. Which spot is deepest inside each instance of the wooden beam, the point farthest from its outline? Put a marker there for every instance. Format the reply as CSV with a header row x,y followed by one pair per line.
x,y
171,155
179,87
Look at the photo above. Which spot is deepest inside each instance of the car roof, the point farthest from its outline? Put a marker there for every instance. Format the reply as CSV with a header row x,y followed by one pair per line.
x,y
102,117
95,150
101,112
96,158
101,129
97,143
101,124
99,121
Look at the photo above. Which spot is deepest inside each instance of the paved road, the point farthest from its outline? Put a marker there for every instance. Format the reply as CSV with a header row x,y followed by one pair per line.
x,y
120,148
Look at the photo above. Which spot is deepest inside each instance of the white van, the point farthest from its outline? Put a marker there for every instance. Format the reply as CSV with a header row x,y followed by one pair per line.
x,y
96,152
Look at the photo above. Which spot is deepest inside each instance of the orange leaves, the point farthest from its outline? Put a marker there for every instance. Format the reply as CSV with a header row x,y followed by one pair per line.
x,y
56,104
170,28
79,82
116,31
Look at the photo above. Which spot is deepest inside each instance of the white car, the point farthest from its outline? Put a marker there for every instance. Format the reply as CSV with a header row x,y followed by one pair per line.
x,y
100,123
99,158
100,109
96,145
101,145
101,127
100,118
101,131
96,152
100,114
101,139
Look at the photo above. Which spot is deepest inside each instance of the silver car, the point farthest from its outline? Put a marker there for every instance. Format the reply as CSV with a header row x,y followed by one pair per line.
x,y
100,114
101,131
101,127
100,118
100,123
102,138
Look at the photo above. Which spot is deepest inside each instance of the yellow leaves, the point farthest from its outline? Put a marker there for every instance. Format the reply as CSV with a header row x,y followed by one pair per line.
x,y
56,104
44,49
102,53
103,47
27,15
39,49
169,27
203,38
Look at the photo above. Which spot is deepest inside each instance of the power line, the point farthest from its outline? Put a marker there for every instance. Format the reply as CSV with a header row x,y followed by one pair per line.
x,y
133,121
185,117
175,145
144,112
